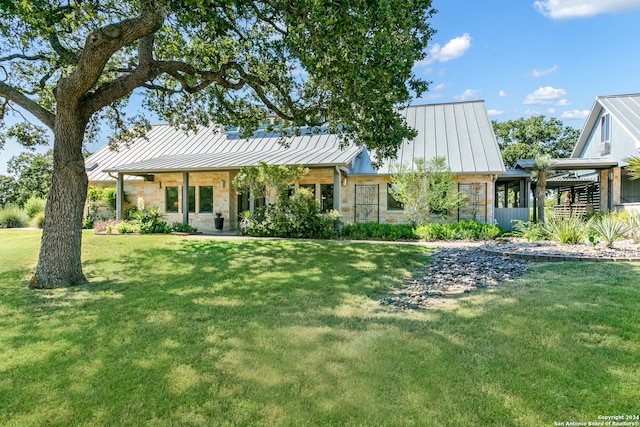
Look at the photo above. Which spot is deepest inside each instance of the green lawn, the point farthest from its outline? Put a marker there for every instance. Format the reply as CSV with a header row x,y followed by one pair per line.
x,y
183,332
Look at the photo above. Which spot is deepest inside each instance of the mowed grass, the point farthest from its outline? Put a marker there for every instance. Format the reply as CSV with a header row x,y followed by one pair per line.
x,y
173,331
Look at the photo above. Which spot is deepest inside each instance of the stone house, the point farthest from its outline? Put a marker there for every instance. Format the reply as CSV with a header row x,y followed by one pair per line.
x,y
189,176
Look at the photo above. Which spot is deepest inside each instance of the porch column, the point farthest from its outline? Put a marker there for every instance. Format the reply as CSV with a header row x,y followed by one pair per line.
x,y
336,189
604,190
185,198
119,197
524,196
616,191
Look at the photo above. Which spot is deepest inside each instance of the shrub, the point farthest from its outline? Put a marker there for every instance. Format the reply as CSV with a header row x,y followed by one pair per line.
x,y
572,230
528,230
464,230
295,216
150,220
373,231
126,227
88,222
610,228
34,206
633,223
13,217
38,220
183,228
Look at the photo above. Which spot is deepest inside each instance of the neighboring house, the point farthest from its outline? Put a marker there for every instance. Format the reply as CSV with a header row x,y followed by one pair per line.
x,y
594,178
188,176
612,132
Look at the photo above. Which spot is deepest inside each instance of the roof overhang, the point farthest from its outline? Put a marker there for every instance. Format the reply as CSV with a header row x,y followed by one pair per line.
x,y
570,164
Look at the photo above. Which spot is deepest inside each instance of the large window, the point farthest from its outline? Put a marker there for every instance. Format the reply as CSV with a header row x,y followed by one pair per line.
x,y
206,199
605,128
192,199
326,197
392,203
171,197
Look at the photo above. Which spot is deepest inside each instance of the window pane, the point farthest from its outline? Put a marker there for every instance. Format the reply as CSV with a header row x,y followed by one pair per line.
x,y
392,203
192,199
206,199
171,197
326,196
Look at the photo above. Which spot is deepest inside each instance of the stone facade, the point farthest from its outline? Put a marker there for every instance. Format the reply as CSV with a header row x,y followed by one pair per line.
x,y
358,198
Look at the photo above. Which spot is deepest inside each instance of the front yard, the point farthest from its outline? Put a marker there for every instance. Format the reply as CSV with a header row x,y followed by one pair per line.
x,y
172,331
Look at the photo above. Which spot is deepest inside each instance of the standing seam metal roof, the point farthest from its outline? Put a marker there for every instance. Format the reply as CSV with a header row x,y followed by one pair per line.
x,y
459,131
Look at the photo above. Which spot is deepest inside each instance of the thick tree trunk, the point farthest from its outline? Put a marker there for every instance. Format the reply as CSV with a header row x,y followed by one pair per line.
x,y
59,264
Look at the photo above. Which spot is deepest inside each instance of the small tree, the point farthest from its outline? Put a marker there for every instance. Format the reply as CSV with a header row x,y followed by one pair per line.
x,y
269,181
542,167
425,190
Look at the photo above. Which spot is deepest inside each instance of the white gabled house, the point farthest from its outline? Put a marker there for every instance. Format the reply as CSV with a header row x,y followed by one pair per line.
x,y
188,176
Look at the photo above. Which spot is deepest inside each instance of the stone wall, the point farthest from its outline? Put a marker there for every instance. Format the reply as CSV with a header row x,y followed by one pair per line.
x,y
225,197
381,214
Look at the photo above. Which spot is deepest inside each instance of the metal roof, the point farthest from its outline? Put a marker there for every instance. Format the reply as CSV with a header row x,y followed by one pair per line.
x,y
625,109
168,149
570,164
459,131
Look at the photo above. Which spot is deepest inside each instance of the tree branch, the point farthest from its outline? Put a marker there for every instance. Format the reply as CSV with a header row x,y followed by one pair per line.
x,y
12,94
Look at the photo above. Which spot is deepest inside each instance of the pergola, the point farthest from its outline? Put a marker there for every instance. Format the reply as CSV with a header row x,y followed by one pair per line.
x,y
601,168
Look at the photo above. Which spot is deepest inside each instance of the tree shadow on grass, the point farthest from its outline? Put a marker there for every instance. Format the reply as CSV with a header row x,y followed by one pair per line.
x,y
283,333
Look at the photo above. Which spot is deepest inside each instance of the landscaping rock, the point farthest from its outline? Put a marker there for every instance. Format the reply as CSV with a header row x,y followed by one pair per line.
x,y
455,271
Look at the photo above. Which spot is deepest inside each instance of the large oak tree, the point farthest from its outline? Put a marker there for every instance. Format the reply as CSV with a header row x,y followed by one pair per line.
x,y
73,64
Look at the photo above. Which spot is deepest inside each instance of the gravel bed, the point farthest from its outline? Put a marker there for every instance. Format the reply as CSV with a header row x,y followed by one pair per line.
x,y
455,271
461,268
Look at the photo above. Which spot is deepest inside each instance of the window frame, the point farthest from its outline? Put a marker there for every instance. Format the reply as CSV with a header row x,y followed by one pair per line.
x,y
201,190
175,203
392,203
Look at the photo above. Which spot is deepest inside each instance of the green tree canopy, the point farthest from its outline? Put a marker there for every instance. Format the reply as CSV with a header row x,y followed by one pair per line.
x,y
73,63
32,174
528,138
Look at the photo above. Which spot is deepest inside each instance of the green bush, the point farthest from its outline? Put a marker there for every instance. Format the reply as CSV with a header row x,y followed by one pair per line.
x,y
295,216
633,222
13,217
38,220
150,221
572,230
373,231
34,206
464,230
183,228
528,230
126,227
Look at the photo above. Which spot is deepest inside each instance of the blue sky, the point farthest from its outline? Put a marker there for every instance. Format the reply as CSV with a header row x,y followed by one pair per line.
x,y
524,57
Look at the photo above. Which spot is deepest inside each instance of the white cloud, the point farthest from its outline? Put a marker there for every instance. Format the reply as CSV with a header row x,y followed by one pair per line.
x,y
563,102
467,95
575,114
494,113
441,86
567,9
502,93
542,73
453,49
544,96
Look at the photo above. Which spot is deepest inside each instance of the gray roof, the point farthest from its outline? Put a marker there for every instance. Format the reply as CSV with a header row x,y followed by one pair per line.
x,y
570,164
168,149
459,131
625,109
